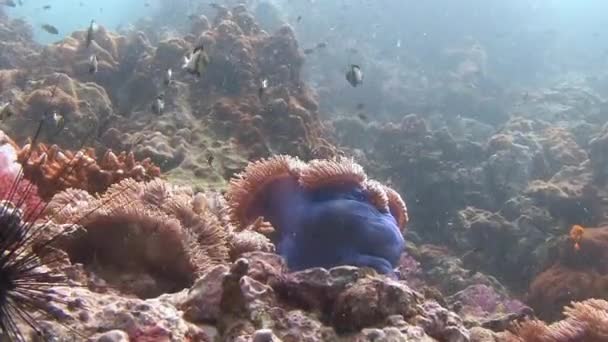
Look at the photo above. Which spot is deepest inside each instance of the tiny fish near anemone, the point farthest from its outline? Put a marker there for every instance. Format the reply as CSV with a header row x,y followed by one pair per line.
x,y
325,213
576,235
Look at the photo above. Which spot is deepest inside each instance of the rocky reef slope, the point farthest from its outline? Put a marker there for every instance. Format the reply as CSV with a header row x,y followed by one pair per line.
x,y
220,116
153,260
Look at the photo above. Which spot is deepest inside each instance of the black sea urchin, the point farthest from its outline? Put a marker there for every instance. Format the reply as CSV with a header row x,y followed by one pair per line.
x,y
27,277
26,281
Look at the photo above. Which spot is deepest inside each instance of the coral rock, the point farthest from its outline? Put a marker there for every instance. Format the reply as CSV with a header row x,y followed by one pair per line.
x,y
140,320
113,336
370,300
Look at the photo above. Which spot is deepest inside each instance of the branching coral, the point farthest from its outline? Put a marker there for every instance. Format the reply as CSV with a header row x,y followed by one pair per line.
x,y
81,170
325,213
585,321
145,238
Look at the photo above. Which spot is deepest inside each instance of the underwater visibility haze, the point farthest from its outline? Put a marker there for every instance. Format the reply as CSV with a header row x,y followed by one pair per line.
x,y
303,170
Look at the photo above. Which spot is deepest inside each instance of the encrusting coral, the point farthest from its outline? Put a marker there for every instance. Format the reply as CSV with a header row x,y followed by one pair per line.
x,y
325,213
85,108
81,170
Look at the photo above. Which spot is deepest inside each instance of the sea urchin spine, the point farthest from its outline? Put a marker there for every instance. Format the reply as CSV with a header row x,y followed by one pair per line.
x,y
27,277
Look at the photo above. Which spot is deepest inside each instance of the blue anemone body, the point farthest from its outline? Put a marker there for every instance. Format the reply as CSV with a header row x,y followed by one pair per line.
x,y
331,226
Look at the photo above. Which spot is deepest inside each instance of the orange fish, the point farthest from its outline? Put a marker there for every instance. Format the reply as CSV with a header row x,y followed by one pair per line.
x,y
576,234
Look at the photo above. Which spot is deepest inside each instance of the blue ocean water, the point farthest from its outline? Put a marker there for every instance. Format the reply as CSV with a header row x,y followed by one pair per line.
x,y
71,15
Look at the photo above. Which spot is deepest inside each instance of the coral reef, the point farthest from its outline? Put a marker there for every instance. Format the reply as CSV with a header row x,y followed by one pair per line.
x,y
53,169
498,201
495,179
577,274
151,238
254,297
326,213
218,117
84,109
221,115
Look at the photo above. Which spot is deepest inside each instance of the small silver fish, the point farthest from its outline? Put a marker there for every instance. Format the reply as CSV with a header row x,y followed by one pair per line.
x,y
168,77
263,87
50,29
9,3
354,75
91,33
158,106
93,64
197,62
5,111
56,120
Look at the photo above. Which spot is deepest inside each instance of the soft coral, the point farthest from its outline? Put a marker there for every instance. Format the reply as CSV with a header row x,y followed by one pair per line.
x,y
23,194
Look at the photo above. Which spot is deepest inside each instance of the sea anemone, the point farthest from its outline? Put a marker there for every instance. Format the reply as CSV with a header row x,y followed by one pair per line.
x,y
325,213
585,321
